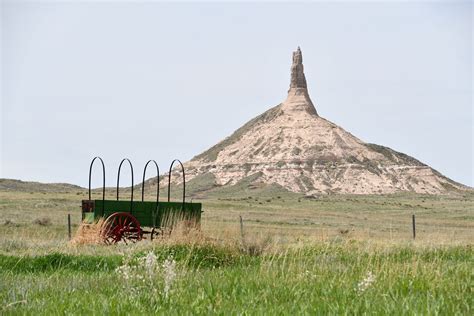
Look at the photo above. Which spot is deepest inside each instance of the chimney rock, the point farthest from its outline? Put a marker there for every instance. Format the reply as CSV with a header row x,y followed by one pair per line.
x,y
298,98
298,79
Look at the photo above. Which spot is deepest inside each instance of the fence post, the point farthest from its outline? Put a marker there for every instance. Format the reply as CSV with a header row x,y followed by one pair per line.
x,y
69,225
241,228
391,235
414,225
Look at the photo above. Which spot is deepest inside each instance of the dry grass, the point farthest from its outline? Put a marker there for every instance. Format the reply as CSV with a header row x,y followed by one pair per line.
x,y
188,232
268,227
175,230
178,230
88,234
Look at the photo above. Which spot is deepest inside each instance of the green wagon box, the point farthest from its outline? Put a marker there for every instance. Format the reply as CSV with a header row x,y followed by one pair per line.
x,y
128,221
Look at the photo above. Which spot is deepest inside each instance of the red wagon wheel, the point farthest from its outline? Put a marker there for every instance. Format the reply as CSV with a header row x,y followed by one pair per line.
x,y
121,226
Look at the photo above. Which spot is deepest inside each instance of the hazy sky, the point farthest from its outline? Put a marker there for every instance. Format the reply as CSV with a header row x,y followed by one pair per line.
x,y
163,81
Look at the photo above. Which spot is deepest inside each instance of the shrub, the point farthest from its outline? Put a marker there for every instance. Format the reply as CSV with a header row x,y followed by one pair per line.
x,y
42,221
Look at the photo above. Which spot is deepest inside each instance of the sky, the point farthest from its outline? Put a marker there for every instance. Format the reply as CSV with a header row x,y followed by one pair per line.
x,y
152,80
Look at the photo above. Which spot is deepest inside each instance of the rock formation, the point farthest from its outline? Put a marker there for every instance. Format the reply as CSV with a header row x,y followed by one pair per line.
x,y
298,80
290,145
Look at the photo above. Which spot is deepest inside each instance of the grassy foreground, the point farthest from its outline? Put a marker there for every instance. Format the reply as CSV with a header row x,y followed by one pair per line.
x,y
331,255
329,278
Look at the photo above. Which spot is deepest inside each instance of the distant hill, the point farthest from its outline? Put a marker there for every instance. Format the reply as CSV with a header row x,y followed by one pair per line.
x,y
290,147
28,186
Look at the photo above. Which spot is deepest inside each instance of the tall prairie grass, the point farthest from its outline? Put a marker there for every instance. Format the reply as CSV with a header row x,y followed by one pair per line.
x,y
321,278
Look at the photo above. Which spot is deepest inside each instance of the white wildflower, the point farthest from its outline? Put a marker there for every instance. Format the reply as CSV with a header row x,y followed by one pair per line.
x,y
169,274
125,271
151,264
144,270
366,283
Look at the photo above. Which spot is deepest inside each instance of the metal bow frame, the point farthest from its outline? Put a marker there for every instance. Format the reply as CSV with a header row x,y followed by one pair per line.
x,y
184,181
103,181
118,181
157,188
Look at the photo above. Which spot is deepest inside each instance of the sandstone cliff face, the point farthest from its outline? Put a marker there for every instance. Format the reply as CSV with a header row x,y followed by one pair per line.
x,y
292,146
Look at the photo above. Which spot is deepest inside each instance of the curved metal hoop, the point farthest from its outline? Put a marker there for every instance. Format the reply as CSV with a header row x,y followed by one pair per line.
x,y
184,180
103,180
157,188
158,181
118,181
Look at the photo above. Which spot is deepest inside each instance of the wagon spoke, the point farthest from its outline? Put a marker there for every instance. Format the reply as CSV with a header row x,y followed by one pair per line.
x,y
125,221
121,226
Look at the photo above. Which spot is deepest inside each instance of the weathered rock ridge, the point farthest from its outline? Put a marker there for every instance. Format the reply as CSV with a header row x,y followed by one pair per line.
x,y
292,146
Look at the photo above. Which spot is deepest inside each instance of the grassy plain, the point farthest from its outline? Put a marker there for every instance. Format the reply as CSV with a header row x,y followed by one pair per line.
x,y
324,255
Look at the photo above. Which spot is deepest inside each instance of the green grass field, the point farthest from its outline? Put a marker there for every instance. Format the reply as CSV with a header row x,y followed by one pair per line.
x,y
329,255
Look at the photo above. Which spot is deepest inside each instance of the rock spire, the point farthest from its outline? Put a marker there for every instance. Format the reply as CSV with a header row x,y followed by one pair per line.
x,y
298,79
298,98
